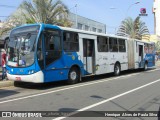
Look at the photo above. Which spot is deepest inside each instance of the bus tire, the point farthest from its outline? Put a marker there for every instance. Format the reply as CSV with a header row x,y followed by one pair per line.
x,y
145,66
73,76
117,69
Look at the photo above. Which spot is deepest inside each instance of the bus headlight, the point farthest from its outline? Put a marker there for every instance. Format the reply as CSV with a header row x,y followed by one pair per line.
x,y
31,71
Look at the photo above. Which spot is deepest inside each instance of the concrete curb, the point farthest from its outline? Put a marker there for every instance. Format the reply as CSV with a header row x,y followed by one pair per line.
x,y
7,83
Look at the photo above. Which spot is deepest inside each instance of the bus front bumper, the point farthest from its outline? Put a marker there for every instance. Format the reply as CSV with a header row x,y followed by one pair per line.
x,y
33,78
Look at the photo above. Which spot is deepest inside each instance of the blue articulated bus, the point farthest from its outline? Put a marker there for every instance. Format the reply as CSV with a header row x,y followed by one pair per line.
x,y
42,53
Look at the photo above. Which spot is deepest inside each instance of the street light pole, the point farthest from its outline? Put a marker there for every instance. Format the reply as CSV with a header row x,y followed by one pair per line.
x,y
125,15
130,7
122,13
76,15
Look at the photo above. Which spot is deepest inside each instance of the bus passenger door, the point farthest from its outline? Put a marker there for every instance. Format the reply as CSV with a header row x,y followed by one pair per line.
x,y
88,56
140,54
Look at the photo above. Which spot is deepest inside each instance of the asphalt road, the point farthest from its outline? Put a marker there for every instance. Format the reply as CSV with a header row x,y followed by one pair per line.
x,y
132,91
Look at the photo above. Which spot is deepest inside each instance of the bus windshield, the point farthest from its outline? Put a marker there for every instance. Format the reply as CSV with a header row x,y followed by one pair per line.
x,y
21,47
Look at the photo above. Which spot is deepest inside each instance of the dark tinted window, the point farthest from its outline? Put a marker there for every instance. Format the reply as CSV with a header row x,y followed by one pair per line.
x,y
113,44
70,42
122,45
52,46
102,44
146,48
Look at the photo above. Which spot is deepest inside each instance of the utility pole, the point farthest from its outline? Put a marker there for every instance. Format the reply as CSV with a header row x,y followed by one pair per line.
x,y
125,15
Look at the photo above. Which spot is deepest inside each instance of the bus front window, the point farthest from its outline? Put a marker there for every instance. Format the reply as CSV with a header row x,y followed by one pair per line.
x,y
21,47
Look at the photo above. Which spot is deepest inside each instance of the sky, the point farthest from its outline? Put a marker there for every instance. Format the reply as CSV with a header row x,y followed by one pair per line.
x,y
109,12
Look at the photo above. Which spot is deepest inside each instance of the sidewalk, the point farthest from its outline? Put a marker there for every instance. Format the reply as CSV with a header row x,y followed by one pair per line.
x,y
5,83
157,63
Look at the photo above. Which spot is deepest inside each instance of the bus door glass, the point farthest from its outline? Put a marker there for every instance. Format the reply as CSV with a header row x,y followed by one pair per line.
x,y
88,55
40,53
140,53
52,46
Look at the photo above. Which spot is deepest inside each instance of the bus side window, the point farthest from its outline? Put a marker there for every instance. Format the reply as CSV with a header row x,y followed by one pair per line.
x,y
140,50
51,43
146,47
70,42
52,46
102,44
39,49
113,45
56,43
122,45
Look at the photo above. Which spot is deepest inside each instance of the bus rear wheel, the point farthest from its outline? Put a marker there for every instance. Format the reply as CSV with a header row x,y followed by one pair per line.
x,y
145,66
73,76
117,69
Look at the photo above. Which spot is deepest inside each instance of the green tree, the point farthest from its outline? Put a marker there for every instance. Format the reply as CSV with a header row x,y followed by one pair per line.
x,y
134,29
157,46
38,11
45,11
10,23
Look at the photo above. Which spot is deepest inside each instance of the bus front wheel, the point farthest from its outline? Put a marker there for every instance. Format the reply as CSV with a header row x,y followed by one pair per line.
x,y
73,76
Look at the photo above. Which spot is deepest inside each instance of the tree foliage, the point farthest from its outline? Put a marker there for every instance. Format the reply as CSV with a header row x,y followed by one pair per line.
x,y
38,11
134,29
157,46
45,11
10,23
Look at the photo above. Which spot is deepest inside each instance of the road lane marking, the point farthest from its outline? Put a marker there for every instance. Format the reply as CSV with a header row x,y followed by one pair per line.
x,y
67,88
107,100
72,87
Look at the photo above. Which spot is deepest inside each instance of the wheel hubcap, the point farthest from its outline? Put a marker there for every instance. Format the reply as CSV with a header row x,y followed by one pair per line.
x,y
73,75
145,66
117,69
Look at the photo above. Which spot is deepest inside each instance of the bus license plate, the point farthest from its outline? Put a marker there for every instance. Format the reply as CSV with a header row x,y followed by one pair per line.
x,y
18,78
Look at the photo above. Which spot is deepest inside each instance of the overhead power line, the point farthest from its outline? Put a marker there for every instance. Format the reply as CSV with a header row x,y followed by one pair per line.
x,y
4,16
8,6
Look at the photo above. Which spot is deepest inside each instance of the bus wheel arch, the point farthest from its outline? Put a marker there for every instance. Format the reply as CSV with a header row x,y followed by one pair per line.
x,y
117,68
74,74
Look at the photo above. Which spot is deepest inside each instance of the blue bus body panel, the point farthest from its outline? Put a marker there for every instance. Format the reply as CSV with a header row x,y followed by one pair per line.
x,y
151,59
21,71
59,69
56,71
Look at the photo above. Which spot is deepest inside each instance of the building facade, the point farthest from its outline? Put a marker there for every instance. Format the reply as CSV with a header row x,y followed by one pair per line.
x,y
87,24
156,12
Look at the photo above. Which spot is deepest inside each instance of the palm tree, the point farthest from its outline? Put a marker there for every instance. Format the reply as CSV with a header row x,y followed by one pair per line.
x,y
10,23
134,29
45,11
38,11
157,46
